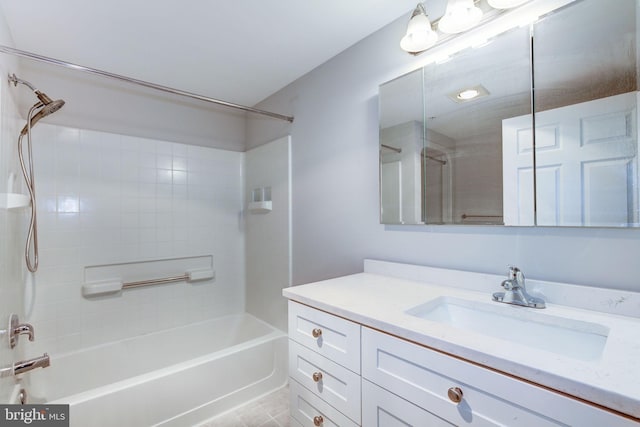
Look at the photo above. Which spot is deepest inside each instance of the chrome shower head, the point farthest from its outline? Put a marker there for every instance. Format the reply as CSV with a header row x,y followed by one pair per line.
x,y
47,109
49,106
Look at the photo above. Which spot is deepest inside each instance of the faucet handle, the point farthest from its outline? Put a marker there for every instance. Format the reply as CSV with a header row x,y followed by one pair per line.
x,y
16,329
513,271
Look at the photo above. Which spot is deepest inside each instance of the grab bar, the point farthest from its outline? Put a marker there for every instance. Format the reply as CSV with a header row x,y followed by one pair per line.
x,y
150,282
465,216
114,286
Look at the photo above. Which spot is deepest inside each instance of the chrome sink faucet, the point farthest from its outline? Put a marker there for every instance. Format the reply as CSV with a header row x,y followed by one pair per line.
x,y
516,292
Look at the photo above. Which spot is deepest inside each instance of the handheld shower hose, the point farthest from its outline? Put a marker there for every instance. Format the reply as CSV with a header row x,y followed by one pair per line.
x,y
41,109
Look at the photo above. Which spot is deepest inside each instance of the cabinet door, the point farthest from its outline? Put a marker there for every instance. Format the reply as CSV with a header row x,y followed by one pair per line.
x,y
333,383
335,338
309,410
383,409
486,398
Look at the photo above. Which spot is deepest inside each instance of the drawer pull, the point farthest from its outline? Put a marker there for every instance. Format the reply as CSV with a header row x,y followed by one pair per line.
x,y
317,332
318,420
455,394
317,376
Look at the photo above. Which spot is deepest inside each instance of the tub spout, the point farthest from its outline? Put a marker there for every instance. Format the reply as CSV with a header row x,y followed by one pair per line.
x,y
31,364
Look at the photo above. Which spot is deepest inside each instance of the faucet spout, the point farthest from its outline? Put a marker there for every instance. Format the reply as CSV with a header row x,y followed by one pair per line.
x,y
31,364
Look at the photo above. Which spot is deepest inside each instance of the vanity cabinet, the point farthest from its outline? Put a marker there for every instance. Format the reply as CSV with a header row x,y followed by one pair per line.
x,y
346,374
324,368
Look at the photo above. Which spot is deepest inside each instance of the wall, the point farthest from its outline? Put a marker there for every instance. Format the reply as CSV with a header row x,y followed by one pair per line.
x,y
103,104
335,188
106,198
268,235
478,189
12,222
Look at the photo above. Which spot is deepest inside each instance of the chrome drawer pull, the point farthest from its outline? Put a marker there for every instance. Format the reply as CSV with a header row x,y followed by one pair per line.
x,y
317,332
318,420
455,394
317,376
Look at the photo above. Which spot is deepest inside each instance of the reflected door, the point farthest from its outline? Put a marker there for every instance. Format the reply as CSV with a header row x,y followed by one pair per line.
x,y
586,163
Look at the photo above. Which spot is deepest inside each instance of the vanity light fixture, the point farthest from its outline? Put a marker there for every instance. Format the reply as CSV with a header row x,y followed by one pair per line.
x,y
505,15
505,4
420,36
459,16
469,94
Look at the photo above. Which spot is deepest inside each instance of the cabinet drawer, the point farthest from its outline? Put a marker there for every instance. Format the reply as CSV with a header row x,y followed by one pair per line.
x,y
333,383
424,377
336,338
310,411
383,409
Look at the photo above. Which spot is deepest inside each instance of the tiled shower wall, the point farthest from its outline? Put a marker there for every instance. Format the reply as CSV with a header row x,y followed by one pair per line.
x,y
106,198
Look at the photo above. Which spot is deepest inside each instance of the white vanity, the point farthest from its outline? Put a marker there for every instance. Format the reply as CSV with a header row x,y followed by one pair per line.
x,y
405,345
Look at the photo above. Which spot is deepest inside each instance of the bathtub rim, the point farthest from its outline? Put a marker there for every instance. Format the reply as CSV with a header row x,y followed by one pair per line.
x,y
163,331
85,395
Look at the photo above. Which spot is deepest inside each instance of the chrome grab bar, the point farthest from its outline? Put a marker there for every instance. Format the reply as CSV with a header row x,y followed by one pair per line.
x,y
141,283
117,285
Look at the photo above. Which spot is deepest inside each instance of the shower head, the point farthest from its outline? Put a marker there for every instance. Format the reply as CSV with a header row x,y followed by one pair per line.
x,y
49,106
47,109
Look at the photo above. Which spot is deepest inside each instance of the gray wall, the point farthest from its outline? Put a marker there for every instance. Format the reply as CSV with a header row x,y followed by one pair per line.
x,y
267,235
335,189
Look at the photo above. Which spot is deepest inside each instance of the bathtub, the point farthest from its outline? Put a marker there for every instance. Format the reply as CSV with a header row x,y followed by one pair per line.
x,y
178,377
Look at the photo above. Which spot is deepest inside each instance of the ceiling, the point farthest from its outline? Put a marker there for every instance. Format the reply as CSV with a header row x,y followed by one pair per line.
x,y
240,51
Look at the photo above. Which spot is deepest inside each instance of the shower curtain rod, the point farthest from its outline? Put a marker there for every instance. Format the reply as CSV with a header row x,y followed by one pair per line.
x,y
48,60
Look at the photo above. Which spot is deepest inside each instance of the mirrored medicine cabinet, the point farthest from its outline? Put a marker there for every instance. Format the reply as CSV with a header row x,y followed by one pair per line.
x,y
549,137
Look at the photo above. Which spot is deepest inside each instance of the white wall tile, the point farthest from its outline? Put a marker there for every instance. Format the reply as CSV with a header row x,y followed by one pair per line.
x,y
116,199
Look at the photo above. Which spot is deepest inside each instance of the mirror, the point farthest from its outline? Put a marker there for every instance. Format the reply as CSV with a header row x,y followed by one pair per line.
x,y
401,145
586,80
444,160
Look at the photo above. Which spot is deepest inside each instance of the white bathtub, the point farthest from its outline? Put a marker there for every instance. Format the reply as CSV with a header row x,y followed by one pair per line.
x,y
178,377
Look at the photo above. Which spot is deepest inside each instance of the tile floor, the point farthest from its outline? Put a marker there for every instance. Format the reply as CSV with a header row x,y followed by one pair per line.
x,y
271,410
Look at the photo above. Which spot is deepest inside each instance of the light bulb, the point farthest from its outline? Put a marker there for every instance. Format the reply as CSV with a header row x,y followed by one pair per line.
x,y
468,94
459,16
420,36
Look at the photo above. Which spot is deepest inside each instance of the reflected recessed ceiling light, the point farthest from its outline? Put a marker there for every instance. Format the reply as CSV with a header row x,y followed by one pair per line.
x,y
469,94
506,4
420,36
459,16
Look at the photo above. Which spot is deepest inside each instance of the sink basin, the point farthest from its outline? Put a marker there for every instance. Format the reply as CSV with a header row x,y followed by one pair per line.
x,y
564,336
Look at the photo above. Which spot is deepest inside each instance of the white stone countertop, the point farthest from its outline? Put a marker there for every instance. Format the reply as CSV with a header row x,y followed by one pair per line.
x,y
379,298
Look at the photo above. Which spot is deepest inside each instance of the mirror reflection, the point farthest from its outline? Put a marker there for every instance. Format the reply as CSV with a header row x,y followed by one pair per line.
x,y
586,80
457,139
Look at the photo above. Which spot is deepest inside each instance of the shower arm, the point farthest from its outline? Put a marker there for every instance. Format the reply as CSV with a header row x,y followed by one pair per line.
x,y
15,80
22,53
41,95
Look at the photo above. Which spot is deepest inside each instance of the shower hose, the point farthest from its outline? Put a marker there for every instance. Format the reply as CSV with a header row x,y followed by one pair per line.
x,y
31,247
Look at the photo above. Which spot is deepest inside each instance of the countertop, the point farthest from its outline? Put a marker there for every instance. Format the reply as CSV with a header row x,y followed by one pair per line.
x,y
380,301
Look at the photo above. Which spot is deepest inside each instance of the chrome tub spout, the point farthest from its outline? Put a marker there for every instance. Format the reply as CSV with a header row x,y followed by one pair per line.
x,y
31,364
